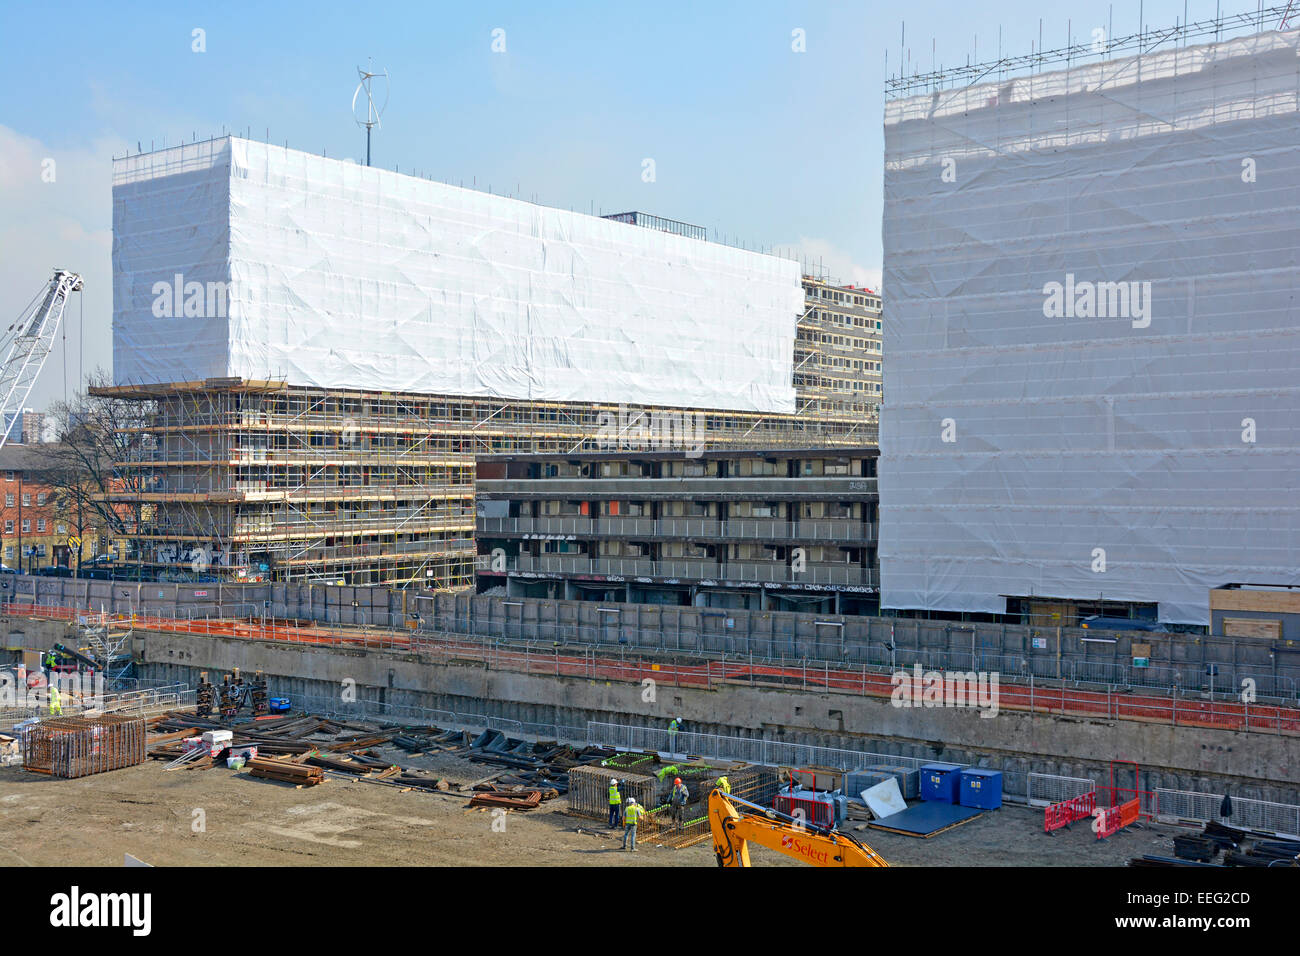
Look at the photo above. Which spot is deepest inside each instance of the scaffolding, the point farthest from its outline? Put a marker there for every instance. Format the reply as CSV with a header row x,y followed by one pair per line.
x,y
260,481
1102,46
838,351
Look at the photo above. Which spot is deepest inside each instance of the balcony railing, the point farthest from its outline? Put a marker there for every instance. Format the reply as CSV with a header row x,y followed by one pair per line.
x,y
757,529
772,572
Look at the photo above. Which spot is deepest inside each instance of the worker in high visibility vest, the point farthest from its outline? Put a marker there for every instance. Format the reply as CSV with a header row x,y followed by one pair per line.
x,y
631,817
56,702
674,725
615,804
724,785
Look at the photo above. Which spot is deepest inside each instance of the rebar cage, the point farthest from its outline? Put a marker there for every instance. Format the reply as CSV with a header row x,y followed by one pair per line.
x,y
79,746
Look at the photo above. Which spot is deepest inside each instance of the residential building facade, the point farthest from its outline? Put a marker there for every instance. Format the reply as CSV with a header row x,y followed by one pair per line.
x,y
787,529
35,523
838,353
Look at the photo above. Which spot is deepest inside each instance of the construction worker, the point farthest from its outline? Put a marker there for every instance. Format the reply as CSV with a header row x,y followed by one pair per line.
x,y
48,665
678,799
56,702
631,817
615,805
674,725
724,785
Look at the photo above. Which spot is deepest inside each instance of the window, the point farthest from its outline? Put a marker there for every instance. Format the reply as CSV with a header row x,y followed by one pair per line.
x,y
9,527
27,525
61,529
27,499
9,476
40,524
40,497
9,500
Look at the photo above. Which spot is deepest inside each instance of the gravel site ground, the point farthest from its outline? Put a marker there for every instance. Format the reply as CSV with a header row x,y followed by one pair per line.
x,y
219,817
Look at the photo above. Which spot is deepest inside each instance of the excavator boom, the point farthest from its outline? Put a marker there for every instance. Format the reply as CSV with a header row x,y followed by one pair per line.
x,y
736,822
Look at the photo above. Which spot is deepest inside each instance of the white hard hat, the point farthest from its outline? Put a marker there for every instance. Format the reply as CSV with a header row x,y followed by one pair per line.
x,y
613,781
631,799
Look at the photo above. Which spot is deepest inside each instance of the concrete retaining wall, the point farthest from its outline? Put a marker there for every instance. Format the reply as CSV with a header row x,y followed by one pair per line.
x,y
1247,765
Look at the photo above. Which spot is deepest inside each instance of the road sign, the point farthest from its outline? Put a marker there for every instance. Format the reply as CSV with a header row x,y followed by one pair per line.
x,y
74,542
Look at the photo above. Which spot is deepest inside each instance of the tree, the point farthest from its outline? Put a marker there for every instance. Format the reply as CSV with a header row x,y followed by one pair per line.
x,y
95,434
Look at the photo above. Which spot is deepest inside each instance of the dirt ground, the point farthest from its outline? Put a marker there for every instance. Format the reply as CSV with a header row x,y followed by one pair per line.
x,y
219,817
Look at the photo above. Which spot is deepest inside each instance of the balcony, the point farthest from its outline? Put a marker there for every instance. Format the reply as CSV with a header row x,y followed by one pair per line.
x,y
757,572
558,525
694,529
841,487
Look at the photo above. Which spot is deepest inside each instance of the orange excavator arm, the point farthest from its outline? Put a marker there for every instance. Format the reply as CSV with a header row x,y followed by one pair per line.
x,y
736,822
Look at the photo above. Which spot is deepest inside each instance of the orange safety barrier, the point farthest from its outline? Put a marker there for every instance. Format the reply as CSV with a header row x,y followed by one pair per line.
x,y
1118,817
1062,814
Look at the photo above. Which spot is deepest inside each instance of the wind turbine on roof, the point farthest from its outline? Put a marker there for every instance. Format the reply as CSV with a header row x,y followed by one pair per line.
x,y
373,110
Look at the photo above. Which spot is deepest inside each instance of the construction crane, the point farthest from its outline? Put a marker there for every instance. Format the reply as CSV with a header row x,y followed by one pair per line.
x,y
736,822
31,339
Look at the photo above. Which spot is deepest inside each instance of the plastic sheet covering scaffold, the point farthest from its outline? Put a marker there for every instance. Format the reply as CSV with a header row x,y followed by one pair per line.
x,y
1092,333
236,258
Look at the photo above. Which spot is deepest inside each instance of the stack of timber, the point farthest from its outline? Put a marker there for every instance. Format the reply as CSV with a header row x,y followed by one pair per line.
x,y
285,771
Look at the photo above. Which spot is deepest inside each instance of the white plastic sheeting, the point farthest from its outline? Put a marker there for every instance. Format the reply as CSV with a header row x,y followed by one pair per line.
x,y
346,276
1092,451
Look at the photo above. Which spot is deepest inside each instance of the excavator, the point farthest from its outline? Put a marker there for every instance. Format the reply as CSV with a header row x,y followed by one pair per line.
x,y
735,822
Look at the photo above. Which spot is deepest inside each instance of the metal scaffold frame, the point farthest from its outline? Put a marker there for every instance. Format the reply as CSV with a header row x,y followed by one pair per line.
x,y
1146,40
833,352
242,480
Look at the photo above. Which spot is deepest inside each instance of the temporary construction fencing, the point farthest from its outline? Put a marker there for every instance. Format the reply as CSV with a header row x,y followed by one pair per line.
x,y
1062,814
386,712
1175,806
1115,818
1047,789
141,701
755,750
79,746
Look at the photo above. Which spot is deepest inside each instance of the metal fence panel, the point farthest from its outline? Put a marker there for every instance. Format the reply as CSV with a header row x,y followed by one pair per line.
x,y
1047,788
1280,818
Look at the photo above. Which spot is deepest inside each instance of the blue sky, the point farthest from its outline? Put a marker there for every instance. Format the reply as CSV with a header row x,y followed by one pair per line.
x,y
765,145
